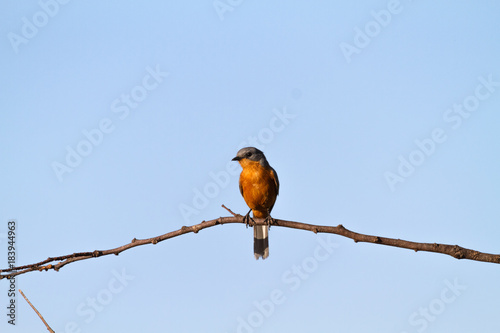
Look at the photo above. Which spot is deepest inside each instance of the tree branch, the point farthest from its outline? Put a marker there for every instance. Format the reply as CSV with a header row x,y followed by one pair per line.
x,y
38,313
57,263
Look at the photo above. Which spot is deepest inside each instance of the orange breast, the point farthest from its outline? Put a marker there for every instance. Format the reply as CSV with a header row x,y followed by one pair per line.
x,y
258,188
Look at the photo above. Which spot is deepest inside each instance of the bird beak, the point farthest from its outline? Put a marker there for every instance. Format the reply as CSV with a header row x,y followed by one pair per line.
x,y
236,158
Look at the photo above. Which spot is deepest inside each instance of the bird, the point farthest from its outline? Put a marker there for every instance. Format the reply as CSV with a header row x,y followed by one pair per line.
x,y
259,186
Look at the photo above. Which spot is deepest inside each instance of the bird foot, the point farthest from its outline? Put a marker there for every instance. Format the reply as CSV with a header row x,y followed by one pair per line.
x,y
269,220
246,218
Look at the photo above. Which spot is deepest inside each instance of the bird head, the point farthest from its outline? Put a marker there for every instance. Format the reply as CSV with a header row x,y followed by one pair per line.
x,y
248,154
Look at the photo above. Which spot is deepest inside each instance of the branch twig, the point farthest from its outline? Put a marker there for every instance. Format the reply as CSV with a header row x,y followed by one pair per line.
x,y
38,313
455,251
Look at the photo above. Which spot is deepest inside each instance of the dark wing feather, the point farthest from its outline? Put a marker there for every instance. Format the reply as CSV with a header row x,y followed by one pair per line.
x,y
276,181
241,187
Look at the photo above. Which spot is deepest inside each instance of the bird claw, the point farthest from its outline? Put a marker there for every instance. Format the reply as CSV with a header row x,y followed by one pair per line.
x,y
269,220
246,218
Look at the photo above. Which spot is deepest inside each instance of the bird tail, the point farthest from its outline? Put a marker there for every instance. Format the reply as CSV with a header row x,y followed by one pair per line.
x,y
260,241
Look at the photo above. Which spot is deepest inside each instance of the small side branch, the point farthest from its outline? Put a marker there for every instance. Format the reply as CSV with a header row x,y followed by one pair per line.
x,y
38,313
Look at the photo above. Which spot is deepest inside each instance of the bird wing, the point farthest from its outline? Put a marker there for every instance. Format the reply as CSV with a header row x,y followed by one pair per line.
x,y
276,180
241,187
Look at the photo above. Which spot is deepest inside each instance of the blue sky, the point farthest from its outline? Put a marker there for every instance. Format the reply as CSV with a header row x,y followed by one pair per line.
x,y
120,120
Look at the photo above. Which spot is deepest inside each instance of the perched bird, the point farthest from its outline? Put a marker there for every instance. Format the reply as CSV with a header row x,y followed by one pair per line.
x,y
259,186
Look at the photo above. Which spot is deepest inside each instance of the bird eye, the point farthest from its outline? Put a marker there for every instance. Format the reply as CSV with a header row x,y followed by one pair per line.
x,y
248,154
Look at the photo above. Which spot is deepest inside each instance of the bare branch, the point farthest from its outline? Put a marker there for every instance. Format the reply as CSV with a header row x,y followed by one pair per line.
x,y
230,211
455,251
38,313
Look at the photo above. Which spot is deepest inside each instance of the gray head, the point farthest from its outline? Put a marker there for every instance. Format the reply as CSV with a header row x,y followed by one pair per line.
x,y
252,154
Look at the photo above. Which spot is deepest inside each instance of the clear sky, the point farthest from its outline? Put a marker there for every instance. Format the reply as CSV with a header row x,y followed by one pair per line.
x,y
120,118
